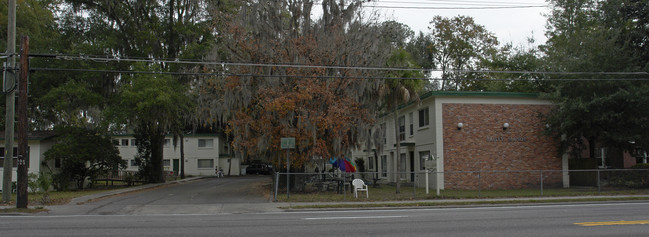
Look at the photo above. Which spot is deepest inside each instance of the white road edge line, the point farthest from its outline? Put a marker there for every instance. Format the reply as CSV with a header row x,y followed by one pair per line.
x,y
351,217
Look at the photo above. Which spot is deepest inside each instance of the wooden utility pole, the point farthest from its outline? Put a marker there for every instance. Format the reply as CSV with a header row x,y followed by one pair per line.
x,y
10,97
23,155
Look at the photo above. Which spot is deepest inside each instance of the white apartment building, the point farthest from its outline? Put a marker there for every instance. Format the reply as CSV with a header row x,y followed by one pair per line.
x,y
203,154
38,143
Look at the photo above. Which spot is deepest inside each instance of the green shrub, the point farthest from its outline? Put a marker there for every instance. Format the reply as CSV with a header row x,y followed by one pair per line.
x,y
640,166
631,178
32,182
130,179
61,182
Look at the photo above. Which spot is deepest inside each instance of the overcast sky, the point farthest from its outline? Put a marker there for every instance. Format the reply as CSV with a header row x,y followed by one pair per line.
x,y
510,20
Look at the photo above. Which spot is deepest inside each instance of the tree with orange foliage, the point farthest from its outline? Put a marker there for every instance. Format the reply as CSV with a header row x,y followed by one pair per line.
x,y
279,93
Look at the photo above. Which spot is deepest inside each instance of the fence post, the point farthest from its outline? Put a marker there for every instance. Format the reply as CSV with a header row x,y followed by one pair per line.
x,y
436,182
598,184
479,184
414,186
276,184
541,182
344,191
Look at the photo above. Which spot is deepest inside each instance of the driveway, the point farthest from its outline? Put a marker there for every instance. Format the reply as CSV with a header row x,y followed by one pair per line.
x,y
245,194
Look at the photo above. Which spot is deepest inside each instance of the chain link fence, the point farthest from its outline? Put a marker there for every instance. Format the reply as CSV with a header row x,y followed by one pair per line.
x,y
329,186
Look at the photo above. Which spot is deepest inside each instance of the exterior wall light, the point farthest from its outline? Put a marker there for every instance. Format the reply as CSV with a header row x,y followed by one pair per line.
x,y
459,126
505,126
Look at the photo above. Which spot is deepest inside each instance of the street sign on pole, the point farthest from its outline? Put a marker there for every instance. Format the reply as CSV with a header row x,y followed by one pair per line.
x,y
287,143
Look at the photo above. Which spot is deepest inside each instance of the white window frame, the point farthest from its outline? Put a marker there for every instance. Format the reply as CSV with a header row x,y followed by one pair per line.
x,y
425,120
14,160
205,144
200,165
412,128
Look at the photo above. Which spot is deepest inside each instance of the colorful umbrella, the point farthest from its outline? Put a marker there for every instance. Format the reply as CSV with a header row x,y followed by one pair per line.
x,y
343,164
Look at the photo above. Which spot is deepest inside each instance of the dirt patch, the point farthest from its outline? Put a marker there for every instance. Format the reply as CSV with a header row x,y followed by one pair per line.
x,y
263,188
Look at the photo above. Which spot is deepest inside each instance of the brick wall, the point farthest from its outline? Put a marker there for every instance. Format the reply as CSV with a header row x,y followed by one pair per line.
x,y
483,145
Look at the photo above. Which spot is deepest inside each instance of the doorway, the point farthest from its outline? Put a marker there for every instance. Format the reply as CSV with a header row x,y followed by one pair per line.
x,y
412,166
176,167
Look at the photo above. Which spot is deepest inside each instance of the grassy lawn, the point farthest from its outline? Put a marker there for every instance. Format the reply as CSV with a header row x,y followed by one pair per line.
x,y
387,193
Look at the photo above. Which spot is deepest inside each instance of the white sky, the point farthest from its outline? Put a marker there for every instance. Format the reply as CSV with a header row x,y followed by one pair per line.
x,y
514,25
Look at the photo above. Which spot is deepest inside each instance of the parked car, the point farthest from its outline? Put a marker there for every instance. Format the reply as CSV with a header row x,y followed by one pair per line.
x,y
259,169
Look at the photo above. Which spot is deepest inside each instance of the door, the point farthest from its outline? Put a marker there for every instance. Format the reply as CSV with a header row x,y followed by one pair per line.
x,y
412,166
176,167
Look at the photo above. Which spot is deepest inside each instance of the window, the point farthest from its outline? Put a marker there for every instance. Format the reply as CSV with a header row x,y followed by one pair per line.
x,y
402,128
602,154
205,163
2,158
167,142
641,156
370,163
133,142
410,123
166,163
423,156
423,117
134,163
205,143
384,132
384,166
124,142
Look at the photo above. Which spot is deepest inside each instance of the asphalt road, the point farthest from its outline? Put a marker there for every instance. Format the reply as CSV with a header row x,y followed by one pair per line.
x,y
237,207
542,220
243,194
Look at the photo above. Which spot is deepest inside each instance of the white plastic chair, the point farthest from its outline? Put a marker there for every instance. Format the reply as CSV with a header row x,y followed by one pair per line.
x,y
359,185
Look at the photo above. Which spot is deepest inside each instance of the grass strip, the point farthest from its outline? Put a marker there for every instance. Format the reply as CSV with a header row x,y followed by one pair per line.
x,y
460,203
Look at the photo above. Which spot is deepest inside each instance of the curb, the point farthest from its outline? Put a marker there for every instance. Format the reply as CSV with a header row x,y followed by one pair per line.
x,y
456,203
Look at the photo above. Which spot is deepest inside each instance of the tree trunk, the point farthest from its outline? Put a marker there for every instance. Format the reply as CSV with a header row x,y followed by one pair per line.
x,y
229,166
398,144
182,156
157,146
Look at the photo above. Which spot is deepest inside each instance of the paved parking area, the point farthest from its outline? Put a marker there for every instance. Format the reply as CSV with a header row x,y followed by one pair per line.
x,y
245,194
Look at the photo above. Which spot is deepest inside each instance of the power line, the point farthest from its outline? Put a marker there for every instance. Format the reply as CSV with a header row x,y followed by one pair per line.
x,y
309,66
453,8
450,5
293,65
329,77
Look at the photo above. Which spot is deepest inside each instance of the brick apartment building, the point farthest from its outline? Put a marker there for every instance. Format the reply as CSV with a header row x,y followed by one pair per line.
x,y
474,139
